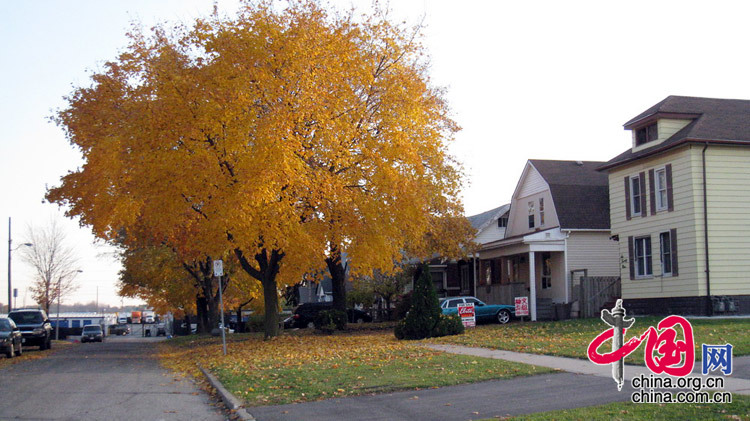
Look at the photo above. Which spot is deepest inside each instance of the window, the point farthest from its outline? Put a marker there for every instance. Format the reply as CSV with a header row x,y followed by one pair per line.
x,y
454,303
437,280
546,270
665,245
660,181
646,134
635,195
502,222
642,257
531,215
474,301
541,212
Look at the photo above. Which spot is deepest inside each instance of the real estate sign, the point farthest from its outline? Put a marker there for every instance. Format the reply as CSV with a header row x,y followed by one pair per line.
x,y
522,306
467,314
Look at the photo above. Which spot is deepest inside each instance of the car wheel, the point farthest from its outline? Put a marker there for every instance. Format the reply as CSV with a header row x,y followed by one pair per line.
x,y
360,320
503,316
310,325
9,353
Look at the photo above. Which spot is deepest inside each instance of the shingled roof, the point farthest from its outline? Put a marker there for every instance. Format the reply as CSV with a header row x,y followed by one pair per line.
x,y
714,120
580,192
481,220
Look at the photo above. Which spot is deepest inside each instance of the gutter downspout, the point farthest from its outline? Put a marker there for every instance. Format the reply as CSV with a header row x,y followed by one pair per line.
x,y
709,306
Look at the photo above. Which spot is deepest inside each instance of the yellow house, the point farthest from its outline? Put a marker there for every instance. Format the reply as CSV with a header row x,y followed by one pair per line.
x,y
679,200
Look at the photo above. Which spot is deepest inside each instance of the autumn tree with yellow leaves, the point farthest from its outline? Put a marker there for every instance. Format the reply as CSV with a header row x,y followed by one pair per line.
x,y
284,136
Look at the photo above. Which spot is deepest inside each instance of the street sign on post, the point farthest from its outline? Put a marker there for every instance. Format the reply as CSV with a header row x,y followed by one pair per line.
x,y
219,272
467,314
522,306
218,268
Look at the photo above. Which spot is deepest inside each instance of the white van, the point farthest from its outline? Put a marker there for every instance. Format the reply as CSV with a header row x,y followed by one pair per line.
x,y
122,320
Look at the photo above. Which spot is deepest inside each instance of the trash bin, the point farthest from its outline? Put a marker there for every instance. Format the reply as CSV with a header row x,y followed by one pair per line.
x,y
562,311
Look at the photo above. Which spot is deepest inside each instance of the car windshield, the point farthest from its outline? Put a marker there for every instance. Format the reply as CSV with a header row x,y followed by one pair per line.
x,y
26,317
5,325
92,329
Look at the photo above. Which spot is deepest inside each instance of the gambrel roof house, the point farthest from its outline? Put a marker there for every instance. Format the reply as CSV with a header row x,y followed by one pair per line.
x,y
678,199
558,225
490,225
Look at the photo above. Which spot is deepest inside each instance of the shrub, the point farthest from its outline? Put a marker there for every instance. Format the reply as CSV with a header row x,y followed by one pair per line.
x,y
424,313
448,325
255,323
330,320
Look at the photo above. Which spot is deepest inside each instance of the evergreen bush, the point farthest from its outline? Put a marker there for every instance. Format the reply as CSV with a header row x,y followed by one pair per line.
x,y
330,320
424,313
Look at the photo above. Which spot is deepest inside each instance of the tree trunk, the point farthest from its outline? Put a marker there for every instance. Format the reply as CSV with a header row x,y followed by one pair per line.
x,y
269,268
337,270
201,310
388,307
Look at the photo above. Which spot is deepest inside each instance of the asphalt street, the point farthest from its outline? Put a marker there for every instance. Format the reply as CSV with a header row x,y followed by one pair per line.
x,y
119,379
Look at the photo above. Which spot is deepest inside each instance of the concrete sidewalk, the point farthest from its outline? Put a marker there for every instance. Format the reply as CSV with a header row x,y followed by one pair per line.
x,y
733,384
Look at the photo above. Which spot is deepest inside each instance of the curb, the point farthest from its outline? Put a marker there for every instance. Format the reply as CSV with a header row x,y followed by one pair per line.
x,y
229,399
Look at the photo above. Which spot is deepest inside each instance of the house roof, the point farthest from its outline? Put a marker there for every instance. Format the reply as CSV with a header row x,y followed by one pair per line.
x,y
480,221
580,192
714,120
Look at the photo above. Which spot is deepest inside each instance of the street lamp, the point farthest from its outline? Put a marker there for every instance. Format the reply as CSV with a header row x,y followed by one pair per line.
x,y
10,249
57,321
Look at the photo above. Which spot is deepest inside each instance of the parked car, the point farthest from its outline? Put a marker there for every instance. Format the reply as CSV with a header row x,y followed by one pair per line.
x,y
305,314
119,330
10,338
161,329
122,320
92,333
35,327
501,313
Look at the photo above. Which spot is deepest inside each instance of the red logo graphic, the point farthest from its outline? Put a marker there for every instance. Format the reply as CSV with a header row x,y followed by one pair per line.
x,y
662,341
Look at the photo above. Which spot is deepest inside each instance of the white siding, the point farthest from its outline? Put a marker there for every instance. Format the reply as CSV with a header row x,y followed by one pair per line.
x,y
593,251
532,182
518,222
490,233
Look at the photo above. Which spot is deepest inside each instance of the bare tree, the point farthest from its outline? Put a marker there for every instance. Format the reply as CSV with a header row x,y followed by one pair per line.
x,y
55,263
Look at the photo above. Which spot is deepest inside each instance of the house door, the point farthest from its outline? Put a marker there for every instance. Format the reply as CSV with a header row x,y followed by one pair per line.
x,y
465,280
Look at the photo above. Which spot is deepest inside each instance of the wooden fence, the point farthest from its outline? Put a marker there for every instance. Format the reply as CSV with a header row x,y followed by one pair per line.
x,y
595,291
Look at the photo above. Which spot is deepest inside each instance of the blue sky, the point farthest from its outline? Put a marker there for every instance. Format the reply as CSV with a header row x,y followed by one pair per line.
x,y
541,80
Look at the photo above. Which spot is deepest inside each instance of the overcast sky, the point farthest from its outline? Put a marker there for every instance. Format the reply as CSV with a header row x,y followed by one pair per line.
x,y
525,80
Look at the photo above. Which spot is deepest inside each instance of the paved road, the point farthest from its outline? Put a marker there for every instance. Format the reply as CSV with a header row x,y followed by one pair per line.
x,y
119,379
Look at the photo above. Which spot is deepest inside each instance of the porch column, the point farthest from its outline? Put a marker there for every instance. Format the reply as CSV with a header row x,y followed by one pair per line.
x,y
532,285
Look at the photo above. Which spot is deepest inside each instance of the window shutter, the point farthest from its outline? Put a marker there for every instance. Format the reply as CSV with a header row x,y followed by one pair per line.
x,y
627,198
668,173
630,257
642,181
673,240
652,191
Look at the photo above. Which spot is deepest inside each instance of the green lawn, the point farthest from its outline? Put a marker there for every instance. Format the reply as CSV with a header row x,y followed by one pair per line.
x,y
739,409
305,366
570,338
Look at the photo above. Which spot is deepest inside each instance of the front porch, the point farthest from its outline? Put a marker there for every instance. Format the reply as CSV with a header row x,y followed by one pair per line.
x,y
533,265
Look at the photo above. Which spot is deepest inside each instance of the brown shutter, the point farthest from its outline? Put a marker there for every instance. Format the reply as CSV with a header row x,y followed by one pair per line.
x,y
668,174
673,241
642,181
627,198
652,191
630,257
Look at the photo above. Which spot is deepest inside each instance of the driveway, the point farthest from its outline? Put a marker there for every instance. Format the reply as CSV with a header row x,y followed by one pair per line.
x,y
119,379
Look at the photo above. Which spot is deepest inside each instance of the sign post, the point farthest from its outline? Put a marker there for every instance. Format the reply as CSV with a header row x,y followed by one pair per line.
x,y
219,272
467,314
522,306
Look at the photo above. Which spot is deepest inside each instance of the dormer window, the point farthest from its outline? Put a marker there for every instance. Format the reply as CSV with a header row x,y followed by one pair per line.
x,y
646,134
502,222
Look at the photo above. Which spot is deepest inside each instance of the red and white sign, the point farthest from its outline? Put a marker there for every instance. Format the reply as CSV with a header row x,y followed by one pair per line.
x,y
466,312
522,306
